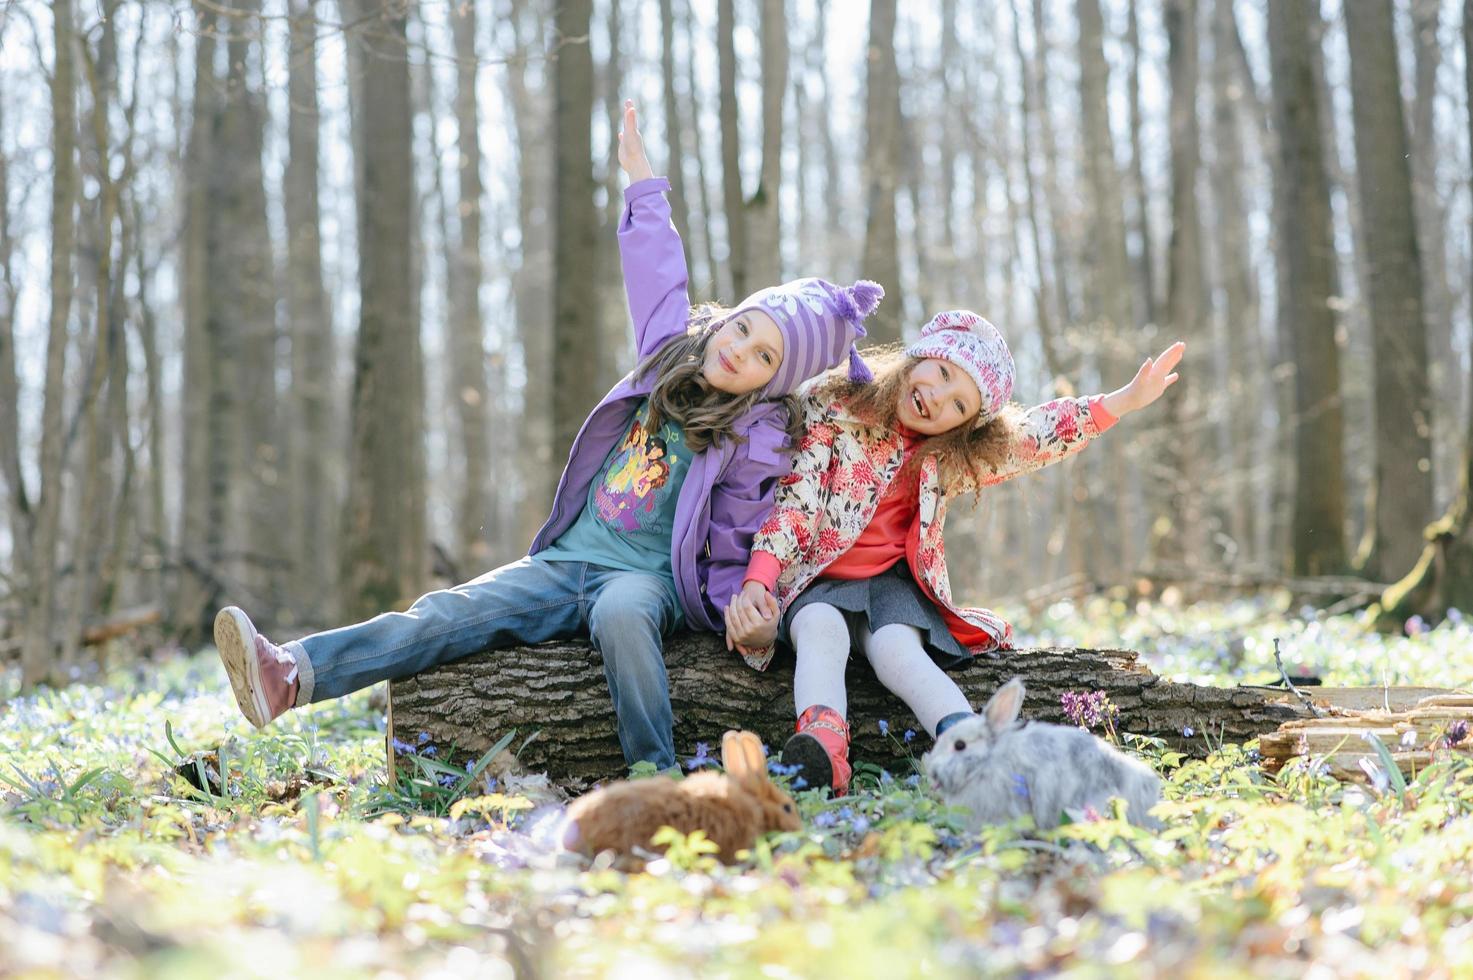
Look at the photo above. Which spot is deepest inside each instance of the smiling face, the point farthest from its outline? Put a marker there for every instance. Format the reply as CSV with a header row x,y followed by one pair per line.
x,y
744,353
937,397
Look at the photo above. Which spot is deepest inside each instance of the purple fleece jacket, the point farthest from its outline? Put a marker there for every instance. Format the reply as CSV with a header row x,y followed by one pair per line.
x,y
728,490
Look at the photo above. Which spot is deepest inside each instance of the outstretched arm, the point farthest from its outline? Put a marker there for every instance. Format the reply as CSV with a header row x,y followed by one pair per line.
x,y
655,274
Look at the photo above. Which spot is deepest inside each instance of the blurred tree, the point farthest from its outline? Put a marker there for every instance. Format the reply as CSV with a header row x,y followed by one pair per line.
x,y
576,353
313,493
1403,458
384,552
881,168
1302,217
36,648
464,270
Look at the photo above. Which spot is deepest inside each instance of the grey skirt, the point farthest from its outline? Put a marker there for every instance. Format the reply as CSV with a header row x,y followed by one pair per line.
x,y
890,597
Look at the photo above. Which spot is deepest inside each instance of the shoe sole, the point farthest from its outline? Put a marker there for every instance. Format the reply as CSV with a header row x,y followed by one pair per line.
x,y
235,638
807,753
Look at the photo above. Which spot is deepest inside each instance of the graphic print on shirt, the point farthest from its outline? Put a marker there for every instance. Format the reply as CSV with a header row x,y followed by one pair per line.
x,y
634,484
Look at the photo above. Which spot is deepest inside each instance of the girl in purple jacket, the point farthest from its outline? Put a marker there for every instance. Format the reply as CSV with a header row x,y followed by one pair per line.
x,y
653,518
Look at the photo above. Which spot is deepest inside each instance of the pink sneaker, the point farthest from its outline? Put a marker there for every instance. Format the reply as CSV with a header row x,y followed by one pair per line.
x,y
262,674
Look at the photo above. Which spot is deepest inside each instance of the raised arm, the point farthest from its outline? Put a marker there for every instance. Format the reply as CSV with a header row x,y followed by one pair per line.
x,y
655,274
1056,430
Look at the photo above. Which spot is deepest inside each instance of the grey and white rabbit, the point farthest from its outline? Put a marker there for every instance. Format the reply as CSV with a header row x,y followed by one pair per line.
x,y
1000,768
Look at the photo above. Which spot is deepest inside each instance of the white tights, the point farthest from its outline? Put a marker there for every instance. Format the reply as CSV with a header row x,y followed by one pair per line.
x,y
821,638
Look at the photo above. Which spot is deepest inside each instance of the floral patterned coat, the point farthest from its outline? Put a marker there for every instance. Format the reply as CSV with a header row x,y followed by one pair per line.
x,y
844,467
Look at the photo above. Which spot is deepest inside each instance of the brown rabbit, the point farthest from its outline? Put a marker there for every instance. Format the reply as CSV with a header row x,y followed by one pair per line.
x,y
733,809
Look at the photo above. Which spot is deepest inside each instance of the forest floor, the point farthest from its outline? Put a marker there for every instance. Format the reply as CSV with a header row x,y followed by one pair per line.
x,y
305,862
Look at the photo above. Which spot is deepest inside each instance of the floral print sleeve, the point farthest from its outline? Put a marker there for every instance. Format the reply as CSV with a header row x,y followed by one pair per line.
x,y
788,530
1046,434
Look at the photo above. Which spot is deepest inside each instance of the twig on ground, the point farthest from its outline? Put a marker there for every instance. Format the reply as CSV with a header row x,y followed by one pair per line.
x,y
1303,698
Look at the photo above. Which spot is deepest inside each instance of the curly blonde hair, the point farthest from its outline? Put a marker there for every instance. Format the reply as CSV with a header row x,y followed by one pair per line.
x,y
969,450
683,395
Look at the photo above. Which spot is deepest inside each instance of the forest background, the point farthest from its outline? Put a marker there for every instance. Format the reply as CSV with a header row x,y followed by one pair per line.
x,y
302,302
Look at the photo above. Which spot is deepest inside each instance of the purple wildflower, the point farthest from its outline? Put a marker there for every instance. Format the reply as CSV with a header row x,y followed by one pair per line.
x,y
1188,731
1415,626
702,757
860,824
909,735
1020,786
884,727
1456,732
1088,710
825,819
405,748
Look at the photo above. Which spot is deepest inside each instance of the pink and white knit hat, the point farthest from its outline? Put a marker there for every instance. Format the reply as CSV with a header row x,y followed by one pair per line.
x,y
974,345
820,322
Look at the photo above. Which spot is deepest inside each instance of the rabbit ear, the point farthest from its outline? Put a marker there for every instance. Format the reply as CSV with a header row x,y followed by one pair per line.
x,y
1002,710
731,754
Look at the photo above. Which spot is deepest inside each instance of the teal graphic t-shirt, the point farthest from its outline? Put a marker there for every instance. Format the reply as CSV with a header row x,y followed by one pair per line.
x,y
630,513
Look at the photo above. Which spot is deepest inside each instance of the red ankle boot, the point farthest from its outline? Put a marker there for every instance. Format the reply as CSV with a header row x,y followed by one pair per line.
x,y
820,749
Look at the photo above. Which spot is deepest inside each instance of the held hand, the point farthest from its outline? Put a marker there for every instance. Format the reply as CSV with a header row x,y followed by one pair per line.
x,y
751,619
631,147
1154,377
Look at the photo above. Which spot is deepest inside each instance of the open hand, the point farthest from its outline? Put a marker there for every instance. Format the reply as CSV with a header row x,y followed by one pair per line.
x,y
631,147
1154,377
751,619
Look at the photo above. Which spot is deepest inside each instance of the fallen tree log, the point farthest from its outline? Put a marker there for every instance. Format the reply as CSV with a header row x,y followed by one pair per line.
x,y
559,690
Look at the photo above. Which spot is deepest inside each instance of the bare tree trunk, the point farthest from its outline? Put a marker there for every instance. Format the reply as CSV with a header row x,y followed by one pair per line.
x,y
198,536
881,168
706,227
1403,401
471,394
731,152
384,546
313,496
763,236
1445,379
532,281
1240,310
1146,260
1048,332
1442,579
246,288
1108,264
1187,531
559,690
96,463
36,648
615,337
1050,149
17,497
679,208
576,353
1302,214
155,529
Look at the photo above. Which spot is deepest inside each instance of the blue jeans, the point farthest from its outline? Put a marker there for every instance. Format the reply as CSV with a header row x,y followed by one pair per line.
x,y
530,601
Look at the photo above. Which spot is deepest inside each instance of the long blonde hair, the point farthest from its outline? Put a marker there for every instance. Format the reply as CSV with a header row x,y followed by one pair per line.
x,y
683,395
968,450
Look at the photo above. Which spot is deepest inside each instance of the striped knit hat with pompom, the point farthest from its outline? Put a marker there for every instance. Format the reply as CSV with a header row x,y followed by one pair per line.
x,y
820,322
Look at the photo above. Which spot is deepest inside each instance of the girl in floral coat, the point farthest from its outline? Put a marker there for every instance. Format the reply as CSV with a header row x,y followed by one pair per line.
x,y
852,554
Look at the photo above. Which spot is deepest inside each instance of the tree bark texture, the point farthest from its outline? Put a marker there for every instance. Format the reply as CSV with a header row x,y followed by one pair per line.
x,y
471,395
1186,299
1403,467
761,212
881,167
313,497
384,555
731,152
576,354
1307,255
36,643
559,690
679,208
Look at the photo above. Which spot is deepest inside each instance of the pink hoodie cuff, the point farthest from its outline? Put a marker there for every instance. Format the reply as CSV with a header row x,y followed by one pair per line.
x,y
763,568
1101,415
